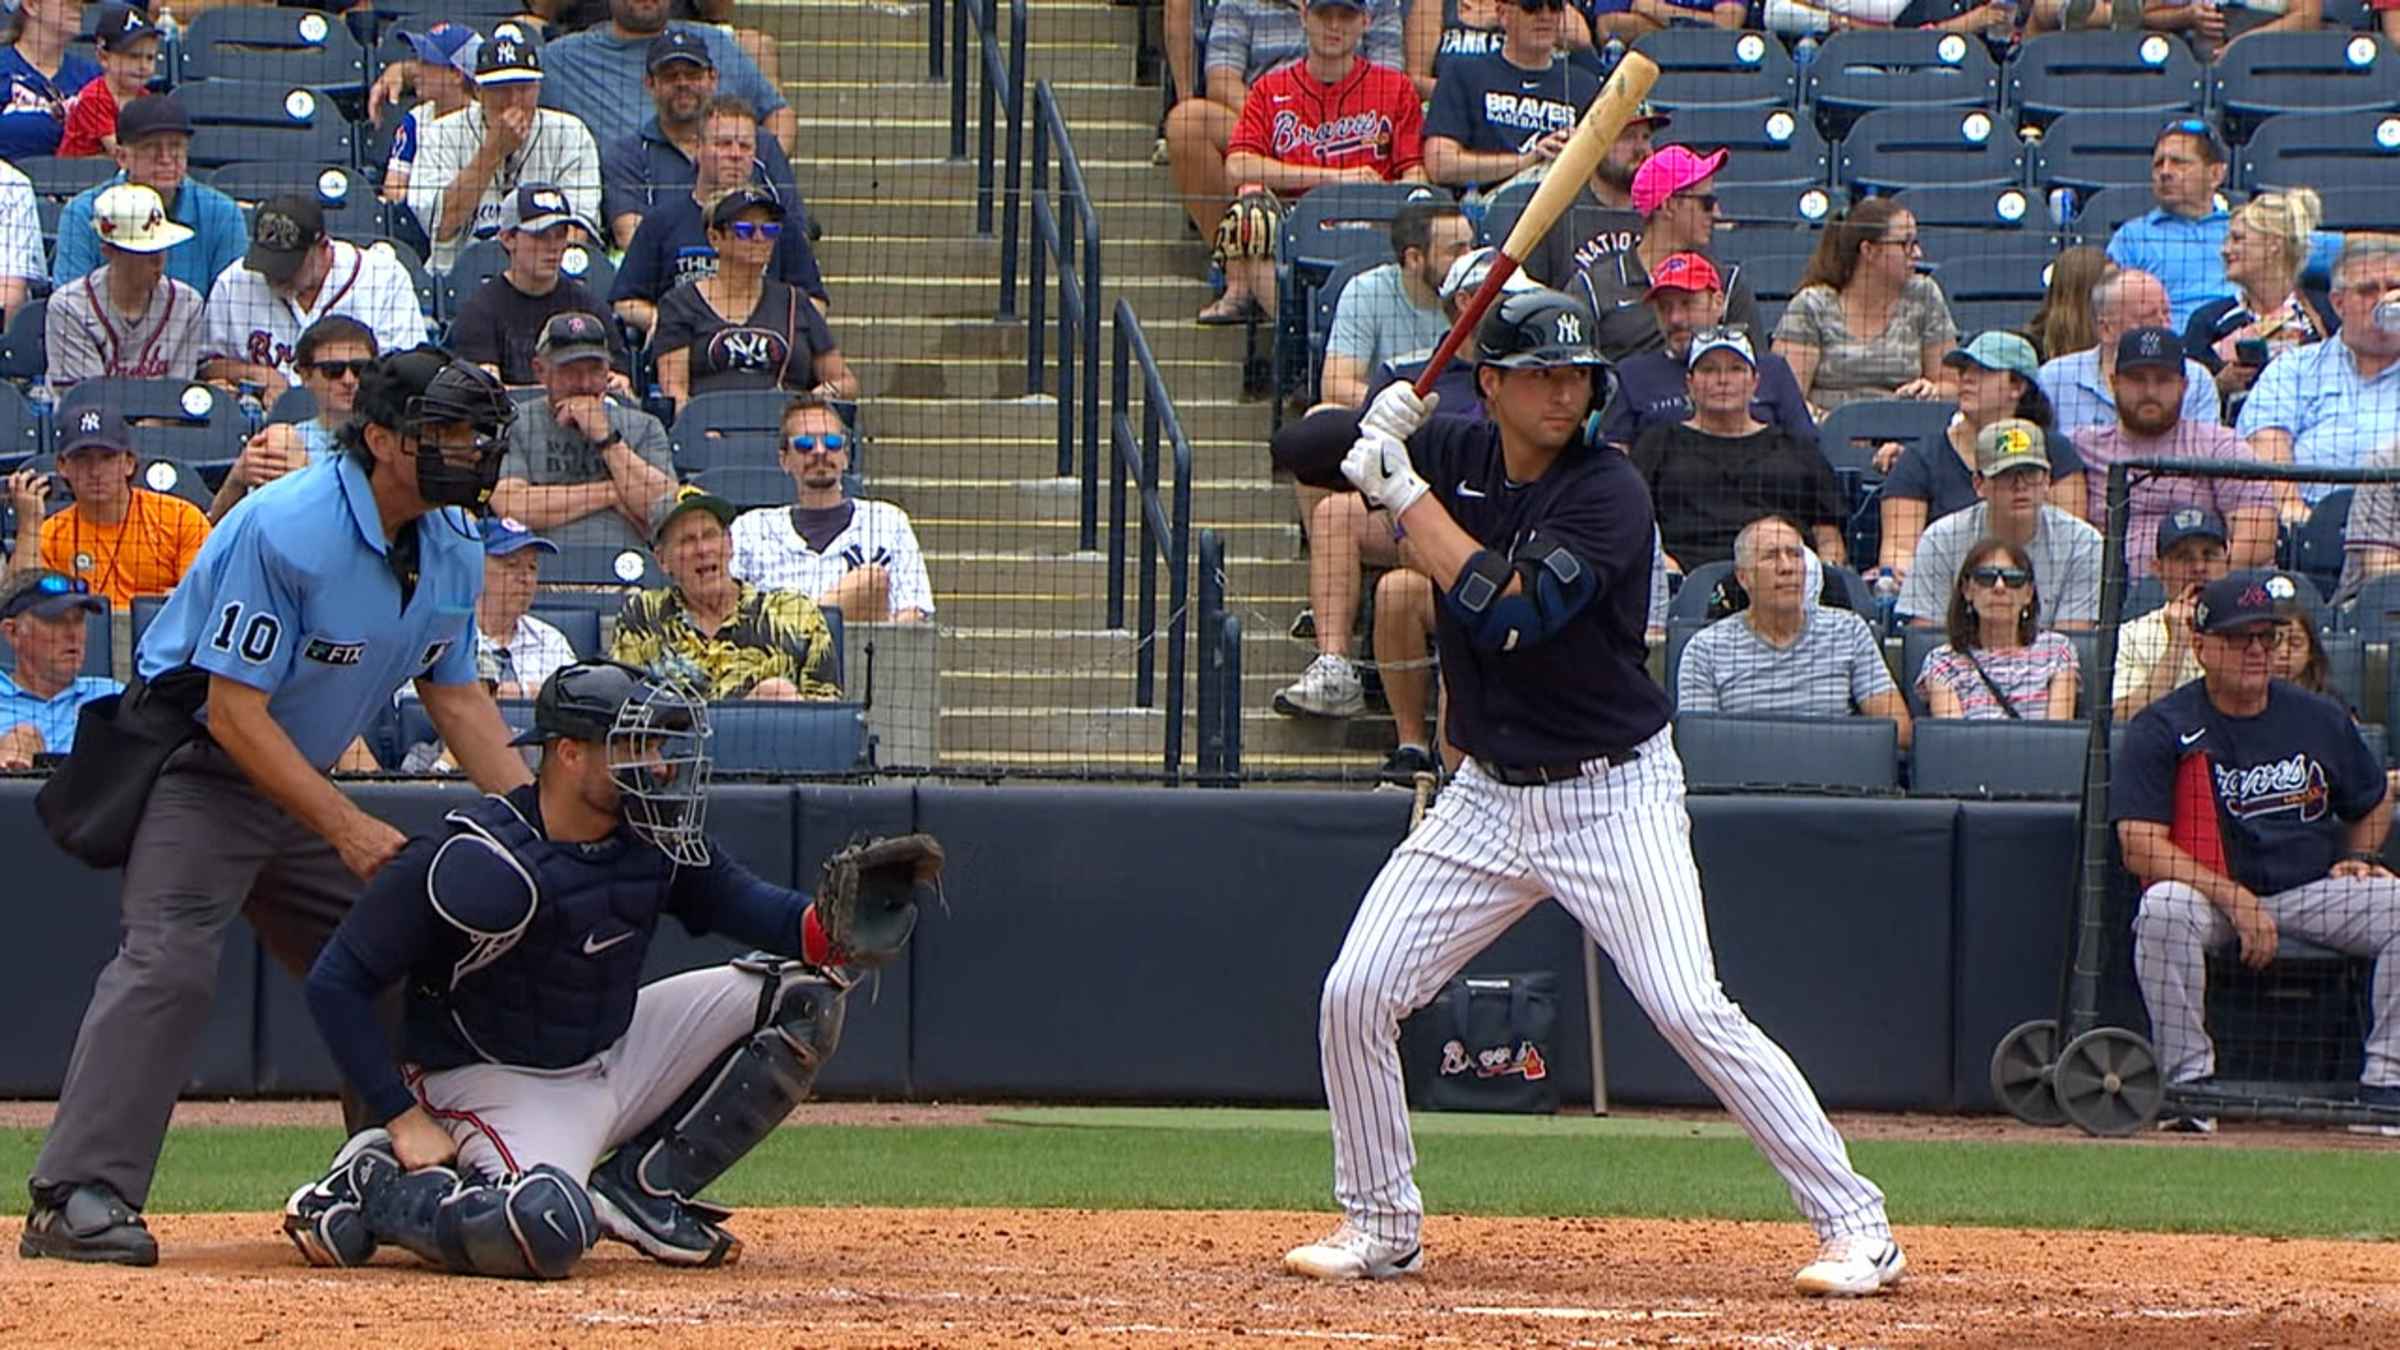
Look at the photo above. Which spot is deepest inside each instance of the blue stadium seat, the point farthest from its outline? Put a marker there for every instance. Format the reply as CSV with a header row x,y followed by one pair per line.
x,y
1722,751
411,727
1977,316
743,426
1895,148
1849,434
2009,209
2056,73
1917,642
1953,757
20,423
1680,633
2269,73
600,601
236,101
600,566
1713,68
2088,151
2102,213
1771,146
295,404
288,47
2142,597
2356,151
1774,277
1690,602
1321,308
1501,210
2375,616
748,736
580,627
2346,669
95,645
65,178
1778,207
748,485
2349,209
171,476
183,420
1859,71
145,611
2317,544
2010,267
348,199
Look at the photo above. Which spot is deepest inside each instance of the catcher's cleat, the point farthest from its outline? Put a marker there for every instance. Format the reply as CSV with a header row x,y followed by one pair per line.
x,y
1348,1253
326,1219
666,1229
85,1221
1853,1267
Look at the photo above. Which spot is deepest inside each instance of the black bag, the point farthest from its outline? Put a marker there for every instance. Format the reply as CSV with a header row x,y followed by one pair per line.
x,y
93,802
1493,1036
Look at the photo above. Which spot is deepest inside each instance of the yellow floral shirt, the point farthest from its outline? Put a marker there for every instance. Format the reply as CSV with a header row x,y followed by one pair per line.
x,y
772,634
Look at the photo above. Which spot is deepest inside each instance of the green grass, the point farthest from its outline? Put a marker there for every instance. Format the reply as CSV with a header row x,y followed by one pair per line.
x,y
1108,1159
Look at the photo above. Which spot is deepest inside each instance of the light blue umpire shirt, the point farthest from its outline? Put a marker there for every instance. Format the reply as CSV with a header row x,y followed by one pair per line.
x,y
2337,418
2183,254
294,594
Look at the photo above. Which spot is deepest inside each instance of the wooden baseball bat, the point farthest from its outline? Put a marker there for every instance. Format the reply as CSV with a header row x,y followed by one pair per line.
x,y
1425,784
1620,99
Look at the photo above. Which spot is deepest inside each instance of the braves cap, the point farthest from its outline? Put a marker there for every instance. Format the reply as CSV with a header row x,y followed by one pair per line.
x,y
507,58
503,535
447,44
131,217
741,199
2010,443
282,233
537,207
95,428
2244,599
572,335
2190,522
47,595
120,26
1671,171
2154,347
1685,272
150,115
1722,340
1997,350
678,44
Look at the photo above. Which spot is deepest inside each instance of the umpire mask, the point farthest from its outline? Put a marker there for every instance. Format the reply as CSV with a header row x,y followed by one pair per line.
x,y
658,758
416,391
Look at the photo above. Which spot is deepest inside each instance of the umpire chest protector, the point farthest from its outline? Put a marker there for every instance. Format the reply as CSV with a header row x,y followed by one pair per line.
x,y
554,937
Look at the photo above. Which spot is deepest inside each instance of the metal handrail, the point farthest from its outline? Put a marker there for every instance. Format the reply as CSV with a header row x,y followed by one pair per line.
x,y
1165,531
1066,231
1000,75
1219,692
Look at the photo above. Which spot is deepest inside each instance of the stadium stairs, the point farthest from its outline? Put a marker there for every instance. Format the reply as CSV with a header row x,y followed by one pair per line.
x,y
1030,677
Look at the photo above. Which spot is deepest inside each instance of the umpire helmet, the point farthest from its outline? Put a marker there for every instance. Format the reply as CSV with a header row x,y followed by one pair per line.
x,y
426,386
655,734
1531,329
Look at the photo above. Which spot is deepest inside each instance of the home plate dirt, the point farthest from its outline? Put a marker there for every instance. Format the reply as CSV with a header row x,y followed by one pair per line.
x,y
1061,1277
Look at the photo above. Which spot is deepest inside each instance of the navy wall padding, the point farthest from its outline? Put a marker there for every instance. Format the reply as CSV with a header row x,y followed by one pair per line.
x,y
63,922
1831,923
1138,944
2015,885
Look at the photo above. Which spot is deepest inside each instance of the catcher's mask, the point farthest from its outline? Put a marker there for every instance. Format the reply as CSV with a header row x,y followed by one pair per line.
x,y
655,735
414,391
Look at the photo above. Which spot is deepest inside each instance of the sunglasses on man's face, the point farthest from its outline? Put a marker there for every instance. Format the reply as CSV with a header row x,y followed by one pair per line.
x,y
1998,577
832,443
2267,638
756,229
334,370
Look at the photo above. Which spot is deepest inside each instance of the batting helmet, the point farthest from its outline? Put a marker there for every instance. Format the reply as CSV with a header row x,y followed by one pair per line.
x,y
1540,328
656,737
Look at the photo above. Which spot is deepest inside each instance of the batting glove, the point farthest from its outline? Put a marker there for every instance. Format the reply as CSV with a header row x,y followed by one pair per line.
x,y
1378,466
1397,412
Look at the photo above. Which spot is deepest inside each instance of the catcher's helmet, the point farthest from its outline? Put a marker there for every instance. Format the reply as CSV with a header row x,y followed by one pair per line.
x,y
1536,328
427,386
656,737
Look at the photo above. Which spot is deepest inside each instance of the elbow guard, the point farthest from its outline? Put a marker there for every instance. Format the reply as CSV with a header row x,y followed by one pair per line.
x,y
1554,587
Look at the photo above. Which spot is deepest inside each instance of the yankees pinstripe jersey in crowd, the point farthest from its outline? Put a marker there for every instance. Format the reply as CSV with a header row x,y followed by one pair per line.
x,y
776,547
1367,119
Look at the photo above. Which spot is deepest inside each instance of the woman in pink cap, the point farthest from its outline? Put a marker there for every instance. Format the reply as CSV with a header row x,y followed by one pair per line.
x,y
1679,215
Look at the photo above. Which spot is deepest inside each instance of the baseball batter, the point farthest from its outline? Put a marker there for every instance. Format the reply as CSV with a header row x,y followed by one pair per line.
x,y
533,1049
1539,544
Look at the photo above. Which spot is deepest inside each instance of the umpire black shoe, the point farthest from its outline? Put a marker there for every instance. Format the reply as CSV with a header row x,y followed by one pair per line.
x,y
326,1219
85,1221
665,1228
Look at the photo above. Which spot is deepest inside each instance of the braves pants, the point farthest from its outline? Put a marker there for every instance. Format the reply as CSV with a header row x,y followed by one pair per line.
x,y
1615,847
508,1120
2176,926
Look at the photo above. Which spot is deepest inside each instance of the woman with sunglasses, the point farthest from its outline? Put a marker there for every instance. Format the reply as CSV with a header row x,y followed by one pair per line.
x,y
740,328
1995,666
1864,324
2267,243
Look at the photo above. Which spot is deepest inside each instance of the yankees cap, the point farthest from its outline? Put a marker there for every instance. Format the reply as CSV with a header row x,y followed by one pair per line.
x,y
507,58
281,235
572,335
93,428
678,44
2159,348
741,199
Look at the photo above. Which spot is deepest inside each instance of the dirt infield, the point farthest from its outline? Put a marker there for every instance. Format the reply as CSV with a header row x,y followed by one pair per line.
x,y
960,1278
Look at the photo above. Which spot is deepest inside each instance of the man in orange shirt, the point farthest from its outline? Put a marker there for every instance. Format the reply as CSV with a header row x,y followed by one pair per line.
x,y
121,540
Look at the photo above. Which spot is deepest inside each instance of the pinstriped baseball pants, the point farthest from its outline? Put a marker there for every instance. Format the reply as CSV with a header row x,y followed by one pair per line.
x,y
1615,847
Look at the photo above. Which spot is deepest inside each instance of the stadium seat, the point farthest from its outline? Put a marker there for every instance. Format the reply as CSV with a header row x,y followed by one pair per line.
x,y
1771,146
600,565
748,486
580,627
734,426
2014,267
1849,434
25,347
2103,213
1690,602
65,178
1917,642
2269,73
1859,71
238,119
2355,151
166,406
1713,68
2375,616
1326,227
173,477
2349,209
2088,151
295,404
1774,277
348,199
1501,210
1723,751
412,727
1778,206
1983,208
2142,597
2317,544
96,659
600,601
1978,316
1321,307
1894,148
748,736
2346,669
2057,73
288,47
1679,635
428,295
1954,757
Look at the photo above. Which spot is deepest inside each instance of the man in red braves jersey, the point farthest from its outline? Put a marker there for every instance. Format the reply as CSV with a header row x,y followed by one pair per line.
x,y
1331,117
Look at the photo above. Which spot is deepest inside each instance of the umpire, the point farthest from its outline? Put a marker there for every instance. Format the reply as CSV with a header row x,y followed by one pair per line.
x,y
308,607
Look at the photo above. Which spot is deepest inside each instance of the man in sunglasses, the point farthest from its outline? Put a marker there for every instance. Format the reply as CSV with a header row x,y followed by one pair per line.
x,y
2336,405
584,469
2289,844
671,246
499,321
2012,461
1507,114
42,617
856,554
1679,215
333,354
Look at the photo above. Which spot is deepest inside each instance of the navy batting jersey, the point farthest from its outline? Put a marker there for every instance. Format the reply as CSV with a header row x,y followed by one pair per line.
x,y
296,593
2288,781
1584,692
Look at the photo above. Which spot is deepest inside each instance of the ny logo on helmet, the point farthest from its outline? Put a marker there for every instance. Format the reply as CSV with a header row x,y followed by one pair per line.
x,y
1570,330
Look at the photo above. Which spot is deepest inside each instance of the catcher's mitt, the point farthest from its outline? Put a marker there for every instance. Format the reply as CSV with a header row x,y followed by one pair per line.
x,y
866,905
1249,227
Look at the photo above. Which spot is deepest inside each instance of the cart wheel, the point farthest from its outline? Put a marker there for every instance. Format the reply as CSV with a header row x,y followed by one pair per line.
x,y
2107,1082
2021,1069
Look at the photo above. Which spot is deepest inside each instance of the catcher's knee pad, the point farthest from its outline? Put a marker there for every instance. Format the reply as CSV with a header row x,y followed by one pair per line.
x,y
739,1100
534,1226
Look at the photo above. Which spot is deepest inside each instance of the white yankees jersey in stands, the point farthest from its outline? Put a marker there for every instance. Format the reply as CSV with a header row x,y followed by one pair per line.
x,y
20,227
558,151
769,552
90,340
248,321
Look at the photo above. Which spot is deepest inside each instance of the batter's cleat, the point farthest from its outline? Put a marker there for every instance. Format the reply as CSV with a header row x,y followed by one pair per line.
x,y
2382,1096
665,1228
326,1219
85,1221
1853,1267
1328,688
1348,1253
2186,1120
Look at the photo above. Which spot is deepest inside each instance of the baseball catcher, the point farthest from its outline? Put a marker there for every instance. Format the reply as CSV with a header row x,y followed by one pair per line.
x,y
548,1098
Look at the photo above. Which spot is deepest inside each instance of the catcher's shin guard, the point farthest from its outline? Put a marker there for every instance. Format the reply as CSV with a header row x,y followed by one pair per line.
x,y
534,1226
644,1192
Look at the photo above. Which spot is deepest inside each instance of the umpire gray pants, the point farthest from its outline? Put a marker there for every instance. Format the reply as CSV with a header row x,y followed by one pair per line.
x,y
209,846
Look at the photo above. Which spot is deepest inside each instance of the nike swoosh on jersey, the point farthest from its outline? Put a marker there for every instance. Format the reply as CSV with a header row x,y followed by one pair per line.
x,y
2187,740
1465,491
592,946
